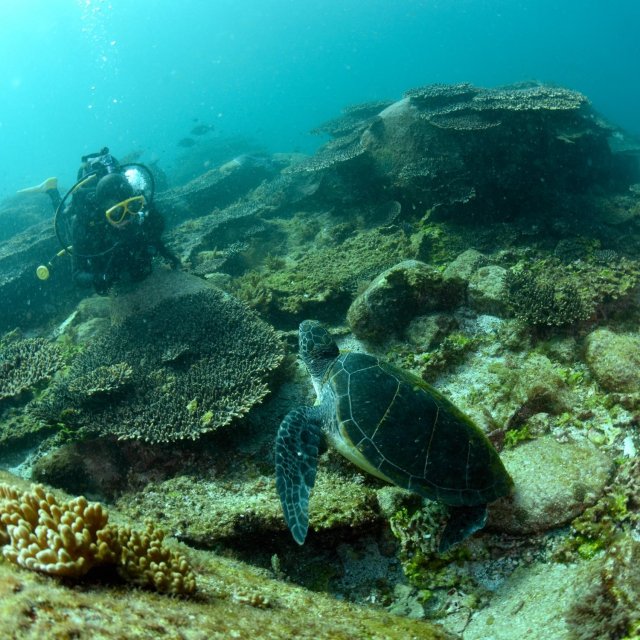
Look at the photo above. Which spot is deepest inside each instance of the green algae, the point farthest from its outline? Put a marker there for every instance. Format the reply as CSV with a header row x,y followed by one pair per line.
x,y
451,352
598,527
548,293
513,437
323,277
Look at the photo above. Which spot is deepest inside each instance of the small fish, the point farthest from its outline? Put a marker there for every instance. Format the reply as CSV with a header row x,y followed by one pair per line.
x,y
186,142
201,129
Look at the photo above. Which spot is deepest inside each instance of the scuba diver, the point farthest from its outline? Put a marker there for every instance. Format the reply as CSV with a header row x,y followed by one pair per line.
x,y
108,223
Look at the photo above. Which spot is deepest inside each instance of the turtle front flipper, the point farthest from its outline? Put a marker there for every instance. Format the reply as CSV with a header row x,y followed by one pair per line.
x,y
463,521
298,445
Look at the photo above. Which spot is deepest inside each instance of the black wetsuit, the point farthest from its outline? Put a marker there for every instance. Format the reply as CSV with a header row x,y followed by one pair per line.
x,y
103,254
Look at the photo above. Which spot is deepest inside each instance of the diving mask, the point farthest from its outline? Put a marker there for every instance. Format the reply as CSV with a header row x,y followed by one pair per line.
x,y
123,212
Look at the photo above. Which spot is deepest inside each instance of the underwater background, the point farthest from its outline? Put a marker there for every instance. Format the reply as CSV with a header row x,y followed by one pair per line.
x,y
79,75
448,191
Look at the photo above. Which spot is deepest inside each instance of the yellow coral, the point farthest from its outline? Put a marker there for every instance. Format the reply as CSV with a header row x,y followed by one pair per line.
x,y
145,561
58,539
69,539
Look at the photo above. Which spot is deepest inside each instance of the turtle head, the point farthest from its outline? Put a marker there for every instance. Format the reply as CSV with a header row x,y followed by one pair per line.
x,y
318,349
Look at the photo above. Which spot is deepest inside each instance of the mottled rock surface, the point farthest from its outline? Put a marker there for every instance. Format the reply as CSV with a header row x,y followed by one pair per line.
x,y
394,298
531,603
553,484
460,270
487,290
205,512
27,301
614,359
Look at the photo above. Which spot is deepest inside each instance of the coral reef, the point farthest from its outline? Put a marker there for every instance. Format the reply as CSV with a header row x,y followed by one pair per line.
x,y
194,199
26,363
70,538
547,292
186,366
353,118
144,560
441,94
539,300
462,152
521,204
101,382
332,154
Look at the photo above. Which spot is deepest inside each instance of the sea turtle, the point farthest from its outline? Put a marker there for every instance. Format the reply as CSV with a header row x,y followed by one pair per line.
x,y
390,424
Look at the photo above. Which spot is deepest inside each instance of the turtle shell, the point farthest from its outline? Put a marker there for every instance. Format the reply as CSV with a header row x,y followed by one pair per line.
x,y
397,426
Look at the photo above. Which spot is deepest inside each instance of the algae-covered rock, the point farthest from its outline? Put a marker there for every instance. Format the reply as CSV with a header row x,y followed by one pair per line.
x,y
488,290
233,600
203,512
394,298
526,386
26,300
614,359
562,348
460,270
539,387
93,467
553,484
608,606
323,281
426,332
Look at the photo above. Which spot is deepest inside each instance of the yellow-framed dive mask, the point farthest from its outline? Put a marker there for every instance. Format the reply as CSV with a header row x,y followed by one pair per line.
x,y
123,212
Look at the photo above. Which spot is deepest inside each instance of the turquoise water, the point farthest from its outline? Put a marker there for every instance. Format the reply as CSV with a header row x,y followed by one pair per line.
x,y
138,75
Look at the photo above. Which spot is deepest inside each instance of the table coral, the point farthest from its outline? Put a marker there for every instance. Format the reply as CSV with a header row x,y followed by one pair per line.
x,y
25,363
183,367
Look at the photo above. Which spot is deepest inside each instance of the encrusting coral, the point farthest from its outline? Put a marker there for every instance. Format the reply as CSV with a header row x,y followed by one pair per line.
x,y
70,538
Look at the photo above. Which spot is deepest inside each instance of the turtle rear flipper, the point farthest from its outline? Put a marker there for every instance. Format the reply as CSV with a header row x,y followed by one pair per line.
x,y
298,446
463,521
